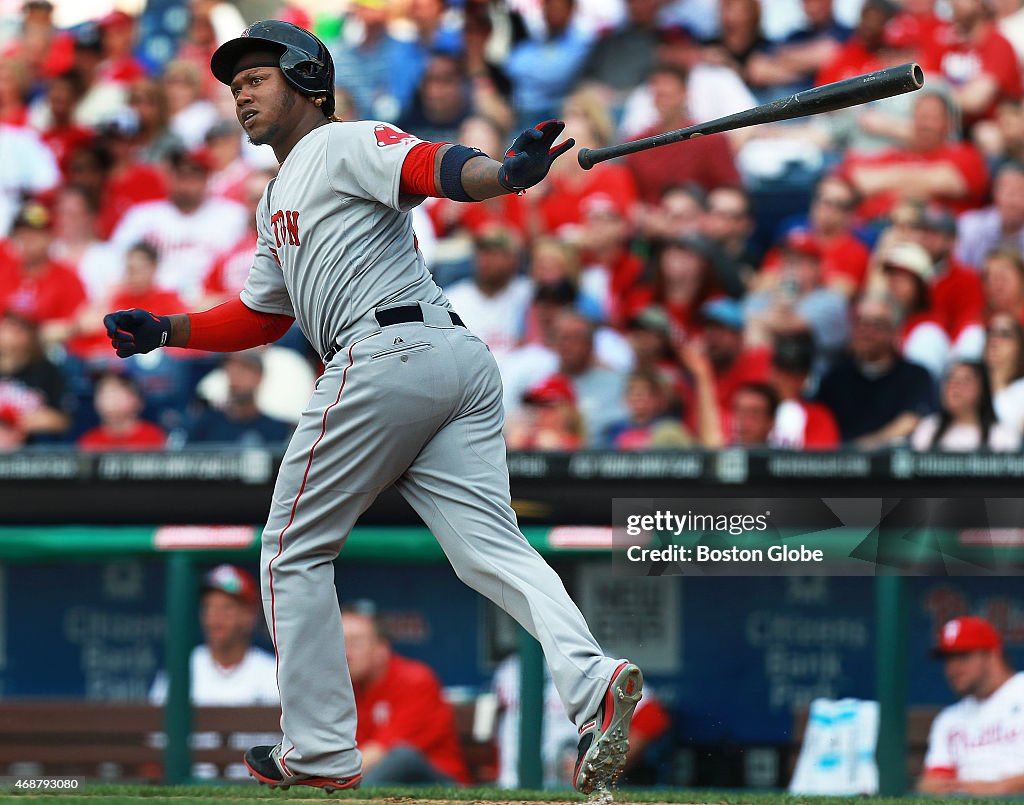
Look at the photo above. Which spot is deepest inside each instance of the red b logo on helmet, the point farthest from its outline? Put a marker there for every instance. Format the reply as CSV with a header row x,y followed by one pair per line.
x,y
389,136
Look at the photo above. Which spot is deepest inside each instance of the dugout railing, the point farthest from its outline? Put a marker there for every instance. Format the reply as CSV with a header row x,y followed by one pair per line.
x,y
231,487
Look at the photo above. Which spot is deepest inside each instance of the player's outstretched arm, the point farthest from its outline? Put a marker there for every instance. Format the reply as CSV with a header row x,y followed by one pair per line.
x,y
526,163
229,327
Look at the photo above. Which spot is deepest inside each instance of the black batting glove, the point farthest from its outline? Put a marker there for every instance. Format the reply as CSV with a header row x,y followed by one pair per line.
x,y
136,331
528,159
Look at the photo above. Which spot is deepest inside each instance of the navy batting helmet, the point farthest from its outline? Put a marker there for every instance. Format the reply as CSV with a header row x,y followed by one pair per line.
x,y
305,61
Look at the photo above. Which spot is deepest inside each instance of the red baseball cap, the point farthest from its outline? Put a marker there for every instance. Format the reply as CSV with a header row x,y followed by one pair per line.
x,y
234,581
802,242
969,633
555,389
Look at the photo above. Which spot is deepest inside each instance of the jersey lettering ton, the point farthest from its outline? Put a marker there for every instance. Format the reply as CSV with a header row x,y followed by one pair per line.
x,y
334,237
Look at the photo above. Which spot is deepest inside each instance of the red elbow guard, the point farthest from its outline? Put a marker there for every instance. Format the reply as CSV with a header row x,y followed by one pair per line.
x,y
232,326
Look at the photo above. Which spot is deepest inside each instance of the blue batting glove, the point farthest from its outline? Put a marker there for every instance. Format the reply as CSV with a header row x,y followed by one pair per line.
x,y
136,331
528,159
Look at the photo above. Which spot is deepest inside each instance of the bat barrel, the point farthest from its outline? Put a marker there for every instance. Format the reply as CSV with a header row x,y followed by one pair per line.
x,y
828,98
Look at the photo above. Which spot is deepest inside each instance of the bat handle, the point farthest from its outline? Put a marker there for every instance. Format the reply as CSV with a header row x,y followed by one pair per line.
x,y
584,159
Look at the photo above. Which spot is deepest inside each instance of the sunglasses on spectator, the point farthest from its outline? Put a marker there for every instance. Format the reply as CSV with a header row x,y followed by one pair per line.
x,y
873,322
1000,332
837,203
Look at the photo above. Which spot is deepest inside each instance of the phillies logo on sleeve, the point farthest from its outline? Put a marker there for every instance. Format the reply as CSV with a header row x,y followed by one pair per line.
x,y
386,135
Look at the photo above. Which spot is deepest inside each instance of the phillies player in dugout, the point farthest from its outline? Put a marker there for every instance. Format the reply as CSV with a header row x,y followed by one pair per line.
x,y
409,397
976,746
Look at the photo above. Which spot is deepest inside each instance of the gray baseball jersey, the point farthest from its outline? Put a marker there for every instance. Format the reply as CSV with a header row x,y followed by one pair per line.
x,y
415,404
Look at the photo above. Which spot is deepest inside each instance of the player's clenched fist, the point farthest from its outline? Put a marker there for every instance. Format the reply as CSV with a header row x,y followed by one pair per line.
x,y
528,159
136,331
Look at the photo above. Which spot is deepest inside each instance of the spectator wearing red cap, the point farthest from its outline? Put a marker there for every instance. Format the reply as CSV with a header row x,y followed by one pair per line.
x,y
188,229
117,33
548,419
31,282
932,167
227,670
795,297
118,401
972,56
976,746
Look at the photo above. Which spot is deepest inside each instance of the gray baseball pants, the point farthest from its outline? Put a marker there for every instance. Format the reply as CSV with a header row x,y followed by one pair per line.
x,y
417,405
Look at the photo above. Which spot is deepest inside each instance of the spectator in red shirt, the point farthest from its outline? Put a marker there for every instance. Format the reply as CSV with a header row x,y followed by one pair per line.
x,y
562,196
932,167
228,274
844,257
32,283
128,181
707,161
859,54
918,23
119,403
733,363
117,32
977,60
406,729
45,51
958,299
62,135
683,281
610,269
799,423
136,289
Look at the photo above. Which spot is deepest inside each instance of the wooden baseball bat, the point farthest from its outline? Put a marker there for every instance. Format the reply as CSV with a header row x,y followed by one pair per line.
x,y
838,95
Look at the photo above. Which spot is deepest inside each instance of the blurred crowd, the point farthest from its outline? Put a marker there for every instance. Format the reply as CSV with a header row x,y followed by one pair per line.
x,y
854,279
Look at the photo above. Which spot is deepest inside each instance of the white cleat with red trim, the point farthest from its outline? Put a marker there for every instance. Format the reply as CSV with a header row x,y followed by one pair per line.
x,y
604,739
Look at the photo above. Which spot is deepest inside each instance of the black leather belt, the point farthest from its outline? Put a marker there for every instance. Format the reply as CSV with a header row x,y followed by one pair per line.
x,y
404,314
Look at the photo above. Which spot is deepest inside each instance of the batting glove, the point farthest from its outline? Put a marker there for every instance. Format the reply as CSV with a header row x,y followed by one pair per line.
x,y
136,332
531,155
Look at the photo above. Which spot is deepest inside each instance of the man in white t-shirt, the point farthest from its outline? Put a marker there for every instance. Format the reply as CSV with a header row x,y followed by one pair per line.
x,y
227,670
976,746
493,302
188,229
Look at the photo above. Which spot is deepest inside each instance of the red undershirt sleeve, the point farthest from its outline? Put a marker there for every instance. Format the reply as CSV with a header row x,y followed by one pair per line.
x,y
232,326
418,171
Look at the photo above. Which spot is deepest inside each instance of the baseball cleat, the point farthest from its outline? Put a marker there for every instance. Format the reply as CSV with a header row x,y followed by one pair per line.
x,y
604,739
265,768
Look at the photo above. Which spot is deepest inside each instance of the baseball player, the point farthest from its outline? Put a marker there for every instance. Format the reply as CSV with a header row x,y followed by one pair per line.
x,y
409,397
976,746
